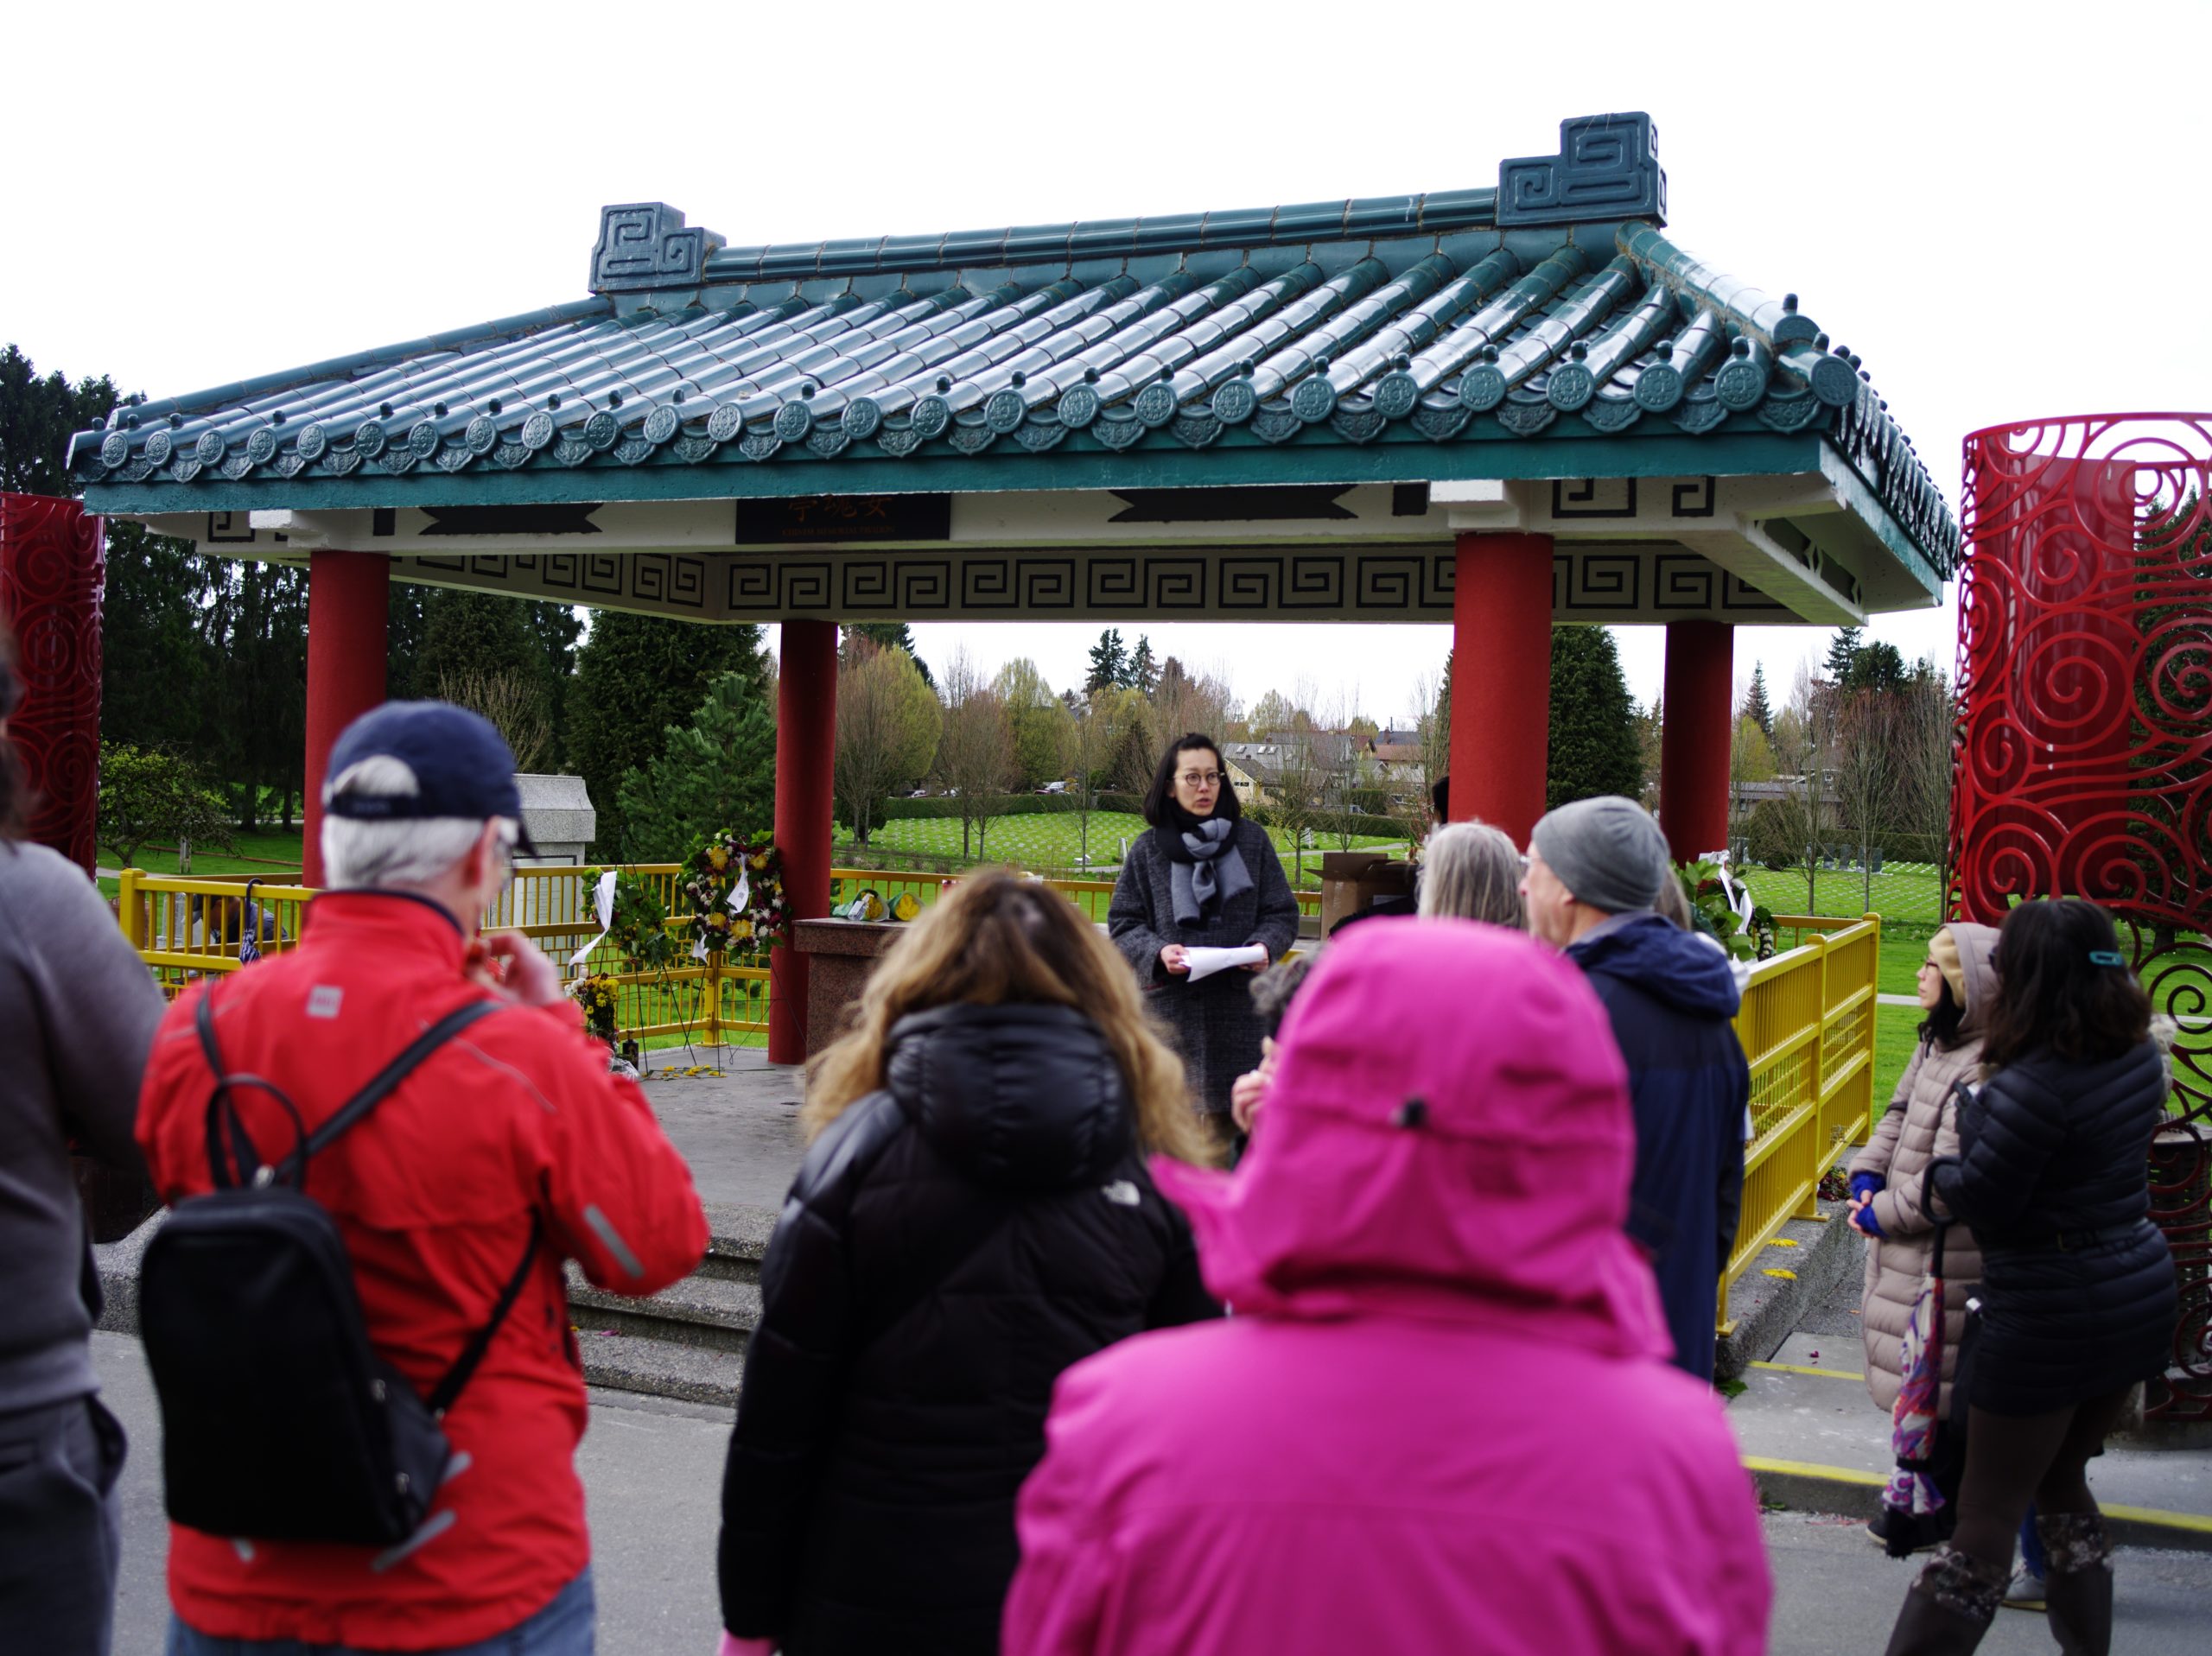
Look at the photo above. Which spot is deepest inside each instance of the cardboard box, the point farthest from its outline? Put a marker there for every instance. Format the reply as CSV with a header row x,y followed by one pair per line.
x,y
1352,881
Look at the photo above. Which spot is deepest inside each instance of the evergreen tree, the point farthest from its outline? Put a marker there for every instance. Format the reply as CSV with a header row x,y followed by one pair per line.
x,y
1142,672
1109,666
1756,707
155,669
718,772
1842,650
37,417
1594,747
636,676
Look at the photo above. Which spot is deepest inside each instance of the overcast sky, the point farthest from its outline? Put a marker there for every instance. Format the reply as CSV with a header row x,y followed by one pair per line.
x,y
2001,208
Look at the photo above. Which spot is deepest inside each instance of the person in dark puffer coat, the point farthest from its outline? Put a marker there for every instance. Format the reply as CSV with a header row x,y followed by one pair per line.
x,y
2079,1300
974,1215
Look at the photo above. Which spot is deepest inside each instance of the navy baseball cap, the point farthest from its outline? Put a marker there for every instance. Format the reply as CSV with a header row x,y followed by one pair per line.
x,y
463,767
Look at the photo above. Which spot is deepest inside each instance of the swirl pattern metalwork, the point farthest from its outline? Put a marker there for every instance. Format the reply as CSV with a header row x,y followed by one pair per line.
x,y
2083,760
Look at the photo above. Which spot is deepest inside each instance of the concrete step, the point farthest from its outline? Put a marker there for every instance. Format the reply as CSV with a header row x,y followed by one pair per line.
x,y
661,1368
710,1312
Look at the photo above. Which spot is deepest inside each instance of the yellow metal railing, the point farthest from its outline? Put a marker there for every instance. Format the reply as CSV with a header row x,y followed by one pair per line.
x,y
183,927
1807,1028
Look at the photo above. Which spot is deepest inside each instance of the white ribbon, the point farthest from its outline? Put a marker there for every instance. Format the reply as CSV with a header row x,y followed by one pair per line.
x,y
604,901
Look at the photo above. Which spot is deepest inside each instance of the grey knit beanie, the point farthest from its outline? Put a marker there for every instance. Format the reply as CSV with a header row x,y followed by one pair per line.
x,y
1607,850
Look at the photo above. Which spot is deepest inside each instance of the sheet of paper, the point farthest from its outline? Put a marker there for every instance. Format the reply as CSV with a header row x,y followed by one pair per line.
x,y
1204,963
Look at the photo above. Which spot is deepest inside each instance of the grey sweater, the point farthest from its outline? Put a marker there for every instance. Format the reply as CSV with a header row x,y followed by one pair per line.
x,y
77,1015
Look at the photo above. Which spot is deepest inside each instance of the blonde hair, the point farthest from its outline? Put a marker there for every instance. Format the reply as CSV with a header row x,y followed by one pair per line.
x,y
1471,871
993,940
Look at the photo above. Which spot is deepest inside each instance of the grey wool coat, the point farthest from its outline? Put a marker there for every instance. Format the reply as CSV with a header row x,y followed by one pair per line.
x,y
1214,1024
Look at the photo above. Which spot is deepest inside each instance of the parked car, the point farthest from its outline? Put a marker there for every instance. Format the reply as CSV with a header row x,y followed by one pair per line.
x,y
1054,788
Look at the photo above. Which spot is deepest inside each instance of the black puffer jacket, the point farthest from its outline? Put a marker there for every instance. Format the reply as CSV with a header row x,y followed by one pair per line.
x,y
894,1397
2078,1290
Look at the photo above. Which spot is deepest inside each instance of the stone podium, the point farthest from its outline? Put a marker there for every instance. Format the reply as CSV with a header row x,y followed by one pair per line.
x,y
840,954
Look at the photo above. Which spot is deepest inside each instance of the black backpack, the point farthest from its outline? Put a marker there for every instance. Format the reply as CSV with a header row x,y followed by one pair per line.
x,y
279,1421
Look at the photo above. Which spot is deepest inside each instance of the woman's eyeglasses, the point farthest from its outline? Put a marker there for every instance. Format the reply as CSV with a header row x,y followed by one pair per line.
x,y
1200,778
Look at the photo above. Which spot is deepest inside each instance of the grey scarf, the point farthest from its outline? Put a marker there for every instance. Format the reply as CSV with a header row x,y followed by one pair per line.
x,y
1214,873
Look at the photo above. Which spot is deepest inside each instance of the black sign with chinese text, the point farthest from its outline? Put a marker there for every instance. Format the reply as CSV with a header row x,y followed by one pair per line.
x,y
844,517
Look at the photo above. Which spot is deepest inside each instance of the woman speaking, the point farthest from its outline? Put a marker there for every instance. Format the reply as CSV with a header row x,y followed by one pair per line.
x,y
1201,876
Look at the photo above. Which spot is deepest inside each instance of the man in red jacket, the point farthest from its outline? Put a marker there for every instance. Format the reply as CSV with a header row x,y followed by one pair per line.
x,y
514,1119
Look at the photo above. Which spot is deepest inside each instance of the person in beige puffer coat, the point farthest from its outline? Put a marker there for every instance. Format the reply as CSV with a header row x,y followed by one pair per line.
x,y
1956,986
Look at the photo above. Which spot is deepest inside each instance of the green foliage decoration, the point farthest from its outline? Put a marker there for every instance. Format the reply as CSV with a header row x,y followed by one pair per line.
x,y
1712,913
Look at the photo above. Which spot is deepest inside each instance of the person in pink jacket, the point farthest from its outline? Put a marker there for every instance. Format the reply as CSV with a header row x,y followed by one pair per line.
x,y
1441,1416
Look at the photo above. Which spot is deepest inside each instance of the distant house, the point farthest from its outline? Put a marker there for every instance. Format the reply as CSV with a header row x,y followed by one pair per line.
x,y
1253,768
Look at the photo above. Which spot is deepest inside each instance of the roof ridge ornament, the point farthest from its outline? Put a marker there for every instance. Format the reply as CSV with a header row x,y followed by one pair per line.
x,y
1607,167
644,246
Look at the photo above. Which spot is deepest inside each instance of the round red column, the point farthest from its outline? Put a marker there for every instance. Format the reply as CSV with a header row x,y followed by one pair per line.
x,y
1501,679
349,597
806,743
1699,706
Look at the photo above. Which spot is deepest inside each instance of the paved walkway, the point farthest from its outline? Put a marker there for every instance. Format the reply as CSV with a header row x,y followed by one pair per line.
x,y
653,1475
739,1130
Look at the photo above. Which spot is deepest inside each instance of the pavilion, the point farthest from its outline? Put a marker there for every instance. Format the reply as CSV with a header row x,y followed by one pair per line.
x,y
1503,407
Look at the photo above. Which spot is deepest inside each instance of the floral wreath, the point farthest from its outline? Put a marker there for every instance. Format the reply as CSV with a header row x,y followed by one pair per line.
x,y
734,884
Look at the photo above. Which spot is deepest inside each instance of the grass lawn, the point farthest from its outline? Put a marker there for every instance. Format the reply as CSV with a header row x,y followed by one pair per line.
x,y
1902,893
1895,1036
1050,840
271,855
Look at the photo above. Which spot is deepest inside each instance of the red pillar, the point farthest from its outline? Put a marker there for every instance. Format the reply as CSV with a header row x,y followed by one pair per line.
x,y
1699,706
1501,679
349,596
806,739
53,574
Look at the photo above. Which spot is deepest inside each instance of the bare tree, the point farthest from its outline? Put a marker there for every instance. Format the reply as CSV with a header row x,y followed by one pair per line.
x,y
975,755
1865,774
1184,700
889,722
1926,727
1094,737
1433,720
515,706
1297,790
1340,759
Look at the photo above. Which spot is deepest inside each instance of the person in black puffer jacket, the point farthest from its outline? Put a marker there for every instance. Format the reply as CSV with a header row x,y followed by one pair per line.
x,y
2078,1296
974,1215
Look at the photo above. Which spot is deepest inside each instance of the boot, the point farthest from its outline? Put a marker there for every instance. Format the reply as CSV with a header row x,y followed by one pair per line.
x,y
1950,1608
2077,1585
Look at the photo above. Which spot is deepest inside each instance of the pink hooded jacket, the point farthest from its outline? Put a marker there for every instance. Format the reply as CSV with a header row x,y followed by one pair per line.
x,y
1442,1418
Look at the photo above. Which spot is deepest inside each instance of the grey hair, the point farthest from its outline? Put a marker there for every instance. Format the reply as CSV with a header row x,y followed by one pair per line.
x,y
372,856
1471,871
1673,903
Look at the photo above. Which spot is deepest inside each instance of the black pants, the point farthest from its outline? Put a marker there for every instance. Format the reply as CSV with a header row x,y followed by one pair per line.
x,y
59,1537
2013,1460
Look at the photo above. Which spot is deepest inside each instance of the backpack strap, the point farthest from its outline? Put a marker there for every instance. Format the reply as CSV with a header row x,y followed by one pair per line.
x,y
243,1163
443,1396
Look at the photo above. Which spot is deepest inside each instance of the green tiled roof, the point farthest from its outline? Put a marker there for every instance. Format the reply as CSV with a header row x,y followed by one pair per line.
x,y
1553,305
